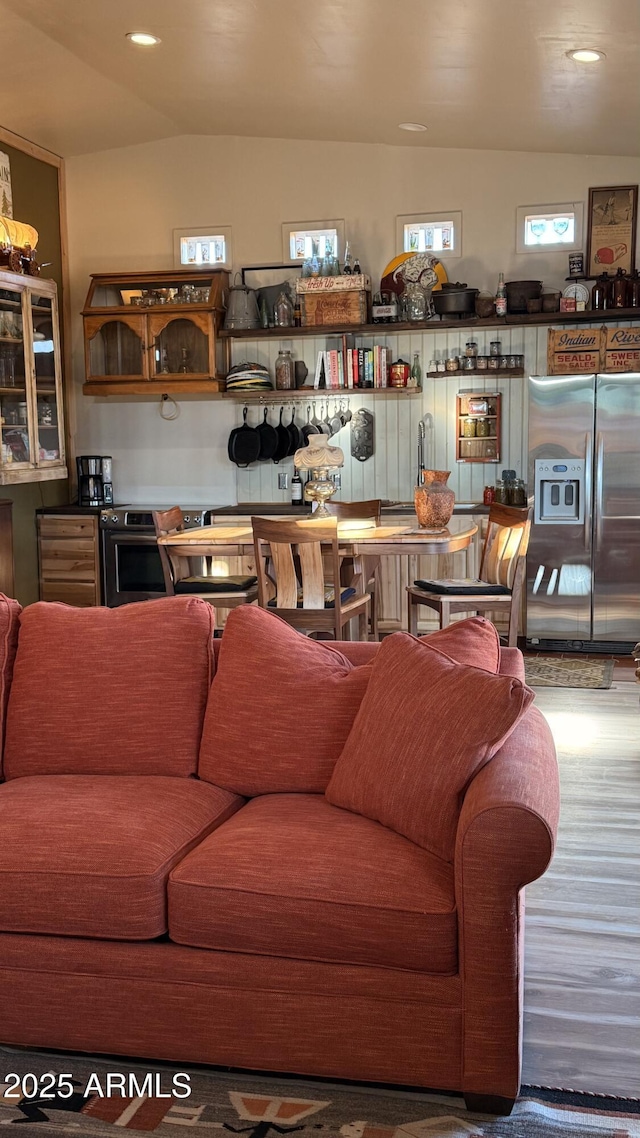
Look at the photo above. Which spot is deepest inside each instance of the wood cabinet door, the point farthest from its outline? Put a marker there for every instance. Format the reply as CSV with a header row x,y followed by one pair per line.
x,y
181,345
116,347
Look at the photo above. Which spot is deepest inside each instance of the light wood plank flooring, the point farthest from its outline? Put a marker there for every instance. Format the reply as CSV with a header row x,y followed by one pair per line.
x,y
582,966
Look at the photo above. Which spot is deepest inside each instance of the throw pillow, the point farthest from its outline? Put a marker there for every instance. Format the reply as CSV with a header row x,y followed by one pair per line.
x,y
472,641
425,727
280,707
110,691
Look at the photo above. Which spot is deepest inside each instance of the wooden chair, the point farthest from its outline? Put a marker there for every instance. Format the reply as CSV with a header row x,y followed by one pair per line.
x,y
304,603
503,563
180,578
365,569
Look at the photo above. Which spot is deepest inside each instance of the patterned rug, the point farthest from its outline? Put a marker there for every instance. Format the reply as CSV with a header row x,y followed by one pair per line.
x,y
555,672
59,1094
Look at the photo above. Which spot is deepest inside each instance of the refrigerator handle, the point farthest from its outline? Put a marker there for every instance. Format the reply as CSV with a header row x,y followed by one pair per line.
x,y
588,489
599,494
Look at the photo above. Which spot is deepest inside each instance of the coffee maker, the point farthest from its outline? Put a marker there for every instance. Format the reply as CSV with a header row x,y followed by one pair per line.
x,y
95,485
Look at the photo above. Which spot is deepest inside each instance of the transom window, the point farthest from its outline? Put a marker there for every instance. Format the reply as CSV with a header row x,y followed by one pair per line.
x,y
202,249
440,234
303,239
549,227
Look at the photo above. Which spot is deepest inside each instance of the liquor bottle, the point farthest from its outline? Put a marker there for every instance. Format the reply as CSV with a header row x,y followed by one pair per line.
x,y
347,269
296,490
501,297
416,372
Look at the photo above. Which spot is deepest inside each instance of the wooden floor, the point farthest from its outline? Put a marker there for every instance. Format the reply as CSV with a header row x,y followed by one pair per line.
x,y
582,965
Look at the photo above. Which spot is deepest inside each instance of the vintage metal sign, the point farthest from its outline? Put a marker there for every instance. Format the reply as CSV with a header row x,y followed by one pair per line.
x,y
574,351
622,350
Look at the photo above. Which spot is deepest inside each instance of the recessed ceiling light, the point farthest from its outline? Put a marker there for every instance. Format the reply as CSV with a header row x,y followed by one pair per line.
x,y
586,55
412,126
143,39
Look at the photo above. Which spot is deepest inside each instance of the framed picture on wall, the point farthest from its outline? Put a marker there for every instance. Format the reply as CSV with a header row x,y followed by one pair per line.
x,y
612,219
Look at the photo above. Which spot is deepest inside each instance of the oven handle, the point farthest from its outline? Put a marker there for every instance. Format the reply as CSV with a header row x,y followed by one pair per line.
x,y
127,537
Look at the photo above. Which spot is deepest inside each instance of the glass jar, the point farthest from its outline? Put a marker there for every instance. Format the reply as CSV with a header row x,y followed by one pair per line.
x,y
504,362
495,348
489,495
501,492
451,363
483,428
441,364
482,363
416,303
471,348
285,371
469,428
493,363
469,363
283,311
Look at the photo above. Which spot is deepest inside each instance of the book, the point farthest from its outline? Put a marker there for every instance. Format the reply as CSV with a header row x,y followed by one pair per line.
x,y
319,369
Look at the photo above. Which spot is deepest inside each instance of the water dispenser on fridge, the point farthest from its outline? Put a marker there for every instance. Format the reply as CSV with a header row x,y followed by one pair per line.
x,y
559,492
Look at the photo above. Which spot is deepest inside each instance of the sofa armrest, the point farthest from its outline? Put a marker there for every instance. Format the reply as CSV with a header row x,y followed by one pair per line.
x,y
505,839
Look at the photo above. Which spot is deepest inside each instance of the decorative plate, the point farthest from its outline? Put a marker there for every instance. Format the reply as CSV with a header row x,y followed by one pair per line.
x,y
411,267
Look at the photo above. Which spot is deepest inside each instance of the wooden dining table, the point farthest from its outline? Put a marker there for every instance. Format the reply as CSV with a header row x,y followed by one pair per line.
x,y
380,541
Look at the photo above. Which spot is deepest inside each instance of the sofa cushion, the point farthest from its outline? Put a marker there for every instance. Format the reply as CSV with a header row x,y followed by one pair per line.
x,y
291,875
110,691
89,855
280,707
425,726
473,641
9,623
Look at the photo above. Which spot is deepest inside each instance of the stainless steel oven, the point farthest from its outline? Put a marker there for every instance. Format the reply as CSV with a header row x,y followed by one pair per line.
x,y
131,568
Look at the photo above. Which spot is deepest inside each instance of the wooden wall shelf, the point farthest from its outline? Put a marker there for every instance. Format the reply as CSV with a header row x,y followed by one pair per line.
x,y
591,316
317,393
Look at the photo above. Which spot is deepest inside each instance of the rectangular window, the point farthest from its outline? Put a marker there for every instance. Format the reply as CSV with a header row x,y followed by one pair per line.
x,y
545,228
436,233
202,249
301,239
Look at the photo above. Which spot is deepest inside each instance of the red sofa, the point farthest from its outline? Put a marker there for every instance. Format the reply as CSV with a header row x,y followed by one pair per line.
x,y
147,912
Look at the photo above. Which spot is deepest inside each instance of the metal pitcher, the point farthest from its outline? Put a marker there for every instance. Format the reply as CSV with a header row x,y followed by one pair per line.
x,y
242,308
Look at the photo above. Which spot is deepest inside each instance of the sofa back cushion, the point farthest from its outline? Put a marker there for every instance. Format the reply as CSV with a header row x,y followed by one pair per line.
x,y
110,691
280,707
425,727
9,623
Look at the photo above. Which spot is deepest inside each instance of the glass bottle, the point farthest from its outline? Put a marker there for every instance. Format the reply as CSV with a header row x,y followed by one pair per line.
x,y
415,379
164,362
633,290
356,265
619,289
285,371
283,311
296,489
501,296
264,313
185,365
347,268
600,294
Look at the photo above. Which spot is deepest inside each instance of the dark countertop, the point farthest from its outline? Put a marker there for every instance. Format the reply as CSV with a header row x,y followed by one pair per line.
x,y
262,508
73,508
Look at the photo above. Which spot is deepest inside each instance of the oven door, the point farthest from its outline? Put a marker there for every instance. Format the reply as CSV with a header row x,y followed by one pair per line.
x,y
131,567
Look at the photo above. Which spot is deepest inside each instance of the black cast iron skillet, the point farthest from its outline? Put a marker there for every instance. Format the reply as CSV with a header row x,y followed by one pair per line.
x,y
243,447
284,440
309,428
296,439
268,438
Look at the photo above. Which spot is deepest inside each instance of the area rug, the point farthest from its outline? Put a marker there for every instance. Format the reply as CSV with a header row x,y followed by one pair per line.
x,y
552,672
104,1097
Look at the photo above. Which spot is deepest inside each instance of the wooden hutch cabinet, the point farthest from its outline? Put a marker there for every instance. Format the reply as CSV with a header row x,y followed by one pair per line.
x,y
31,415
155,332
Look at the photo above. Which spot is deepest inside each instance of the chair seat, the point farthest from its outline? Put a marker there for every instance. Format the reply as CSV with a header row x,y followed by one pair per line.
x,y
291,875
94,858
329,598
463,588
227,585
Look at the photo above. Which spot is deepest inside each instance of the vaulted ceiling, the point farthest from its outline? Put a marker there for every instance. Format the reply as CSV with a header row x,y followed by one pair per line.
x,y
486,74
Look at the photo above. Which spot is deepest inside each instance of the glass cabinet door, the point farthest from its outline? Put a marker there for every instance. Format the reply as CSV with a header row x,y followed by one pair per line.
x,y
49,437
116,348
17,439
181,345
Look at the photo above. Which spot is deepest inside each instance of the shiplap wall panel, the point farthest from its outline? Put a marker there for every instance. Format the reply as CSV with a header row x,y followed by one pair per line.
x,y
391,471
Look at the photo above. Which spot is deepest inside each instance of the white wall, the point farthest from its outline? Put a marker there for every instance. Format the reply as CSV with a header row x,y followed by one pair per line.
x,y
123,205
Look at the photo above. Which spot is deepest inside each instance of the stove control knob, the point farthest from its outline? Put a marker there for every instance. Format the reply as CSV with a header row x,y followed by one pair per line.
x,y
114,519
187,517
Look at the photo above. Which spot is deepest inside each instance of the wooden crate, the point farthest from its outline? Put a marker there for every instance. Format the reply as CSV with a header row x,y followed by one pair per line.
x,y
335,308
622,349
574,351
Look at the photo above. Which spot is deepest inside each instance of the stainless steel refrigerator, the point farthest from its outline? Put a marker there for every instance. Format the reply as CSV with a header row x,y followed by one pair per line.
x,y
583,564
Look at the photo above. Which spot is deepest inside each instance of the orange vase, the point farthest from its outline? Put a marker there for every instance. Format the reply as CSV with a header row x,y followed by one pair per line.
x,y
434,501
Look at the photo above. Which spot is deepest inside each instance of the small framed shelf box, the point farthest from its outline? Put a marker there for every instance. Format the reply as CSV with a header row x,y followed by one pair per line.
x,y
478,426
